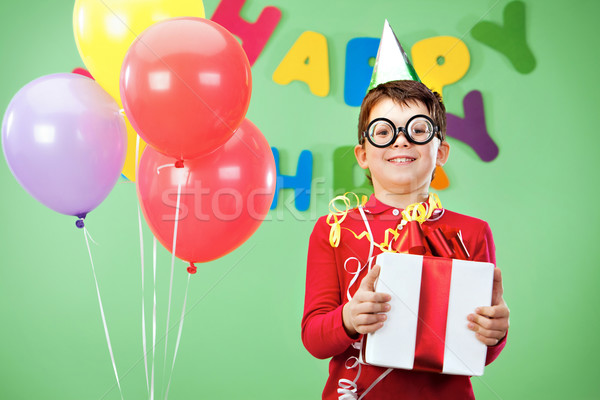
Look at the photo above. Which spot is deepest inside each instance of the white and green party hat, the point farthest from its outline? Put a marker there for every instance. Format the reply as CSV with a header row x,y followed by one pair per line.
x,y
391,63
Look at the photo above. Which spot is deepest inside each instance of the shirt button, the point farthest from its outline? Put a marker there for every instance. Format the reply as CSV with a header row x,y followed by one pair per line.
x,y
395,212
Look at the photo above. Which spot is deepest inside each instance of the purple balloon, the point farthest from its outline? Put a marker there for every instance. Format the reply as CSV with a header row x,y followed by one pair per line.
x,y
65,141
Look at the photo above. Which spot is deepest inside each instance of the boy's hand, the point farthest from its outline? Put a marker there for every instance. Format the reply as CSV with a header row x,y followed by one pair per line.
x,y
490,324
361,315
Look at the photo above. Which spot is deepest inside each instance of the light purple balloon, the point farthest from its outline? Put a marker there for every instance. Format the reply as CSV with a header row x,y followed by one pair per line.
x,y
65,141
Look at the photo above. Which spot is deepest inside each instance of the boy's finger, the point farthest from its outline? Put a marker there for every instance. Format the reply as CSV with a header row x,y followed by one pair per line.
x,y
479,322
493,311
498,277
486,340
371,297
368,282
369,319
370,308
364,329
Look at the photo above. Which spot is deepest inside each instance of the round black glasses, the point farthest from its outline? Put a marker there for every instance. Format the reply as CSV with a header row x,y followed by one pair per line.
x,y
419,129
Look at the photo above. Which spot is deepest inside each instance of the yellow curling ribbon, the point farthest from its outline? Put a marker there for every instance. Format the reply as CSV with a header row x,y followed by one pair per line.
x,y
419,212
385,246
338,215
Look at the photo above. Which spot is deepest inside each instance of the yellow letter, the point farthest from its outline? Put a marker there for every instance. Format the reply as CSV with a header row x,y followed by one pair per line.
x,y
440,61
307,61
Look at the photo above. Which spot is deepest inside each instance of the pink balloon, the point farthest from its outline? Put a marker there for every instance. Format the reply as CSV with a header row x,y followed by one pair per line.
x,y
65,141
225,195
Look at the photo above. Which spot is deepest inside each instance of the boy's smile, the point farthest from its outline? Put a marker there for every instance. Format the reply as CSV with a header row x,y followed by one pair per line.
x,y
401,172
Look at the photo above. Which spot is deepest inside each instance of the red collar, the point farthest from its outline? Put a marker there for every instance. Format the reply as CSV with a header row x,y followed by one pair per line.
x,y
374,206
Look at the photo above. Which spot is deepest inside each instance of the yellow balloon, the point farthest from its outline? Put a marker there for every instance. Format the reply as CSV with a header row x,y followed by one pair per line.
x,y
130,161
104,30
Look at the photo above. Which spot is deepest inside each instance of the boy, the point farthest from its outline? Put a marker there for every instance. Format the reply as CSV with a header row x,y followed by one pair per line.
x,y
401,136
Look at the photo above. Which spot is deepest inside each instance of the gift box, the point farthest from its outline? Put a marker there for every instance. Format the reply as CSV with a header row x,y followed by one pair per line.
x,y
426,328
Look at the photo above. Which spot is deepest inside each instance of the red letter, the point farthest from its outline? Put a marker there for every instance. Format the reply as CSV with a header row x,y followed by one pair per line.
x,y
255,35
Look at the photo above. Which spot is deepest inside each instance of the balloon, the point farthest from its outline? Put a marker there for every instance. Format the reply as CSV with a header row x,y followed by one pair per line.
x,y
105,29
130,161
225,195
64,140
132,137
185,86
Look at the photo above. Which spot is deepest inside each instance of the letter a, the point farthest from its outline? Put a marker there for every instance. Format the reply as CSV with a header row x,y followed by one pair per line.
x,y
307,61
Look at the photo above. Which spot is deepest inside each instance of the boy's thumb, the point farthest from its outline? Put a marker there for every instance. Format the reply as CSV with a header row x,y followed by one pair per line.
x,y
368,282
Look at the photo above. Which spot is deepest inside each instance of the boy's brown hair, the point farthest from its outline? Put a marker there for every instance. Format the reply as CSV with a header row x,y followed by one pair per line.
x,y
403,92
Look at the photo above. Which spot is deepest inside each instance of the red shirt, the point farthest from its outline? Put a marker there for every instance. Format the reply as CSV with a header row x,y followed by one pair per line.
x,y
328,282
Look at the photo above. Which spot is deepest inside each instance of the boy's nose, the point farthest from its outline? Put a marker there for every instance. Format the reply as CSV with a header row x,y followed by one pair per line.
x,y
401,140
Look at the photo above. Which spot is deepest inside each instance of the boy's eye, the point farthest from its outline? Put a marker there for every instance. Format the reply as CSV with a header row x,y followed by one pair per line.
x,y
421,128
382,130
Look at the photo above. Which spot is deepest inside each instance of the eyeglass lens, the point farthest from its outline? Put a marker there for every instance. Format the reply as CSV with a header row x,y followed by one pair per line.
x,y
383,132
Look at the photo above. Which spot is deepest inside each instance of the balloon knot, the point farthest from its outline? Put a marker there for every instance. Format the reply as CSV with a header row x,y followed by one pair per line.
x,y
192,268
79,223
179,164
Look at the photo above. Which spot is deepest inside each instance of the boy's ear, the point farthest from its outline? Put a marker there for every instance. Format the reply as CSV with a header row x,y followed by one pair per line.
x,y
442,153
361,156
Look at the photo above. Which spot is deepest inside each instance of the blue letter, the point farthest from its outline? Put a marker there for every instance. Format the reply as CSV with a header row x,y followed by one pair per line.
x,y
358,71
301,182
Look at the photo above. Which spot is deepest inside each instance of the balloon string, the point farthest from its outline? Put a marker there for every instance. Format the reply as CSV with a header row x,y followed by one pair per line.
x,y
178,334
144,344
112,357
162,166
172,270
137,154
153,318
144,336
383,375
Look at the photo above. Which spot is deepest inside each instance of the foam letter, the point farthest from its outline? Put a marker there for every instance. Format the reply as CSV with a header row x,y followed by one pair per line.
x,y
508,39
344,165
358,71
255,35
307,61
301,182
440,61
440,179
471,129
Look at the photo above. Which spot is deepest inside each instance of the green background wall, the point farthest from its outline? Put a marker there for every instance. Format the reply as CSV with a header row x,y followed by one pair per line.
x,y
242,335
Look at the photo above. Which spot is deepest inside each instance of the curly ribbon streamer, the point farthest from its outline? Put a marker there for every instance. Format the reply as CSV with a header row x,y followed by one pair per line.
x,y
339,215
419,212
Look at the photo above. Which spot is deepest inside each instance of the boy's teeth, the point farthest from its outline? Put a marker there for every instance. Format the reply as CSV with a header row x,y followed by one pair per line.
x,y
403,159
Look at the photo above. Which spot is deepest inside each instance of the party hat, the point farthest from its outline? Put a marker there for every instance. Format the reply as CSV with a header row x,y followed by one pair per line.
x,y
391,63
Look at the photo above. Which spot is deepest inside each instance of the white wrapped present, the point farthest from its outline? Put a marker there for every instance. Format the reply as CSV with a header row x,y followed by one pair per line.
x,y
426,328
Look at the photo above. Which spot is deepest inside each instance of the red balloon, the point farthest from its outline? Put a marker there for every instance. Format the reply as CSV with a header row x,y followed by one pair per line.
x,y
185,86
225,195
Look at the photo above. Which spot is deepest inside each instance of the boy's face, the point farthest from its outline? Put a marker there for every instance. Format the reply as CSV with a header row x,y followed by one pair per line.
x,y
402,167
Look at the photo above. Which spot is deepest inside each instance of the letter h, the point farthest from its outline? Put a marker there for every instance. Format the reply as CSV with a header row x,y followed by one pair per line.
x,y
301,182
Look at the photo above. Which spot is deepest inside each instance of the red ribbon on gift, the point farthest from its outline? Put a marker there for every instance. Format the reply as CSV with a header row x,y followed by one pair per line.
x,y
433,312
438,247
411,240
